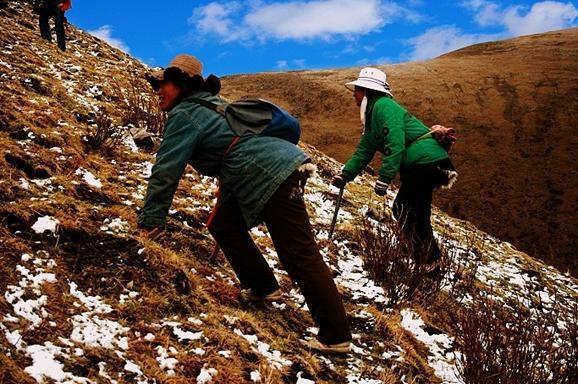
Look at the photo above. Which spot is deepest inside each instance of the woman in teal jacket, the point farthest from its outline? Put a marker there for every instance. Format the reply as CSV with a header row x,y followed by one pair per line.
x,y
407,148
260,179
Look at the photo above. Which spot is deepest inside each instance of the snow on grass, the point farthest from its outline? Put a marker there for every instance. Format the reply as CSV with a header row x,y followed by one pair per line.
x,y
44,183
90,329
324,208
302,380
354,278
255,376
186,335
102,372
89,178
206,375
93,303
127,296
115,226
45,223
144,169
95,332
45,366
24,184
440,358
273,356
26,298
166,363
226,354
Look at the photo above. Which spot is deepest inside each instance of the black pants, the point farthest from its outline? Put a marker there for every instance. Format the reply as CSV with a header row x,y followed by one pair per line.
x,y
44,16
412,206
287,220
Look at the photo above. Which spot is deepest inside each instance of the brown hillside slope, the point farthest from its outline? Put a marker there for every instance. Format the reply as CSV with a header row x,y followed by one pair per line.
x,y
515,105
85,299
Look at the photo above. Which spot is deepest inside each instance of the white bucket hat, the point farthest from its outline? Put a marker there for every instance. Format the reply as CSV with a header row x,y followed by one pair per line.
x,y
371,78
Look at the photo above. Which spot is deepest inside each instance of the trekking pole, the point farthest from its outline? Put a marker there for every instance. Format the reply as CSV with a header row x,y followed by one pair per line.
x,y
337,205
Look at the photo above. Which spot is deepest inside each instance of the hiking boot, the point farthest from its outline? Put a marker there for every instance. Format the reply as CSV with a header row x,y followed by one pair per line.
x,y
248,296
337,349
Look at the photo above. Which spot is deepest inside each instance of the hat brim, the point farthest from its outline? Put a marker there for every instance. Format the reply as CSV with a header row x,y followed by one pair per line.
x,y
155,78
158,75
367,85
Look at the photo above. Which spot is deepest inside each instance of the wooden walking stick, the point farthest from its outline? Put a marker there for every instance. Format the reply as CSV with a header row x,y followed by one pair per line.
x,y
337,205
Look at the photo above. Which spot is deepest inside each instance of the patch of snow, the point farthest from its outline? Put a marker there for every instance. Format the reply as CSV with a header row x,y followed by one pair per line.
x,y
166,363
96,332
441,355
45,366
89,178
225,354
273,356
45,223
186,335
24,184
206,375
115,226
302,380
255,376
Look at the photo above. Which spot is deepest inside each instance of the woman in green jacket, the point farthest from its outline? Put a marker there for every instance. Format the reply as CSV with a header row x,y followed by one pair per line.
x,y
261,179
407,148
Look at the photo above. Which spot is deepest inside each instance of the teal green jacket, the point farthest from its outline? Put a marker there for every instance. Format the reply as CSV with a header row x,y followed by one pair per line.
x,y
393,131
251,172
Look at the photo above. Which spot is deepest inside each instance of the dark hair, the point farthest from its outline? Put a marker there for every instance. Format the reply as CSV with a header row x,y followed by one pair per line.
x,y
187,84
191,84
370,93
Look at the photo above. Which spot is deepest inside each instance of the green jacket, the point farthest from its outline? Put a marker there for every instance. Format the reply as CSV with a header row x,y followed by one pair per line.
x,y
393,131
251,172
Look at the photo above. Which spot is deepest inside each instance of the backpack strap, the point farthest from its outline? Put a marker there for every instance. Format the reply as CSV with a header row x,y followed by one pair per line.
x,y
219,108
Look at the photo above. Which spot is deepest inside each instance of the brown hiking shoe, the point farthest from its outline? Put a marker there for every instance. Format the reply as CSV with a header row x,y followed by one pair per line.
x,y
249,297
338,349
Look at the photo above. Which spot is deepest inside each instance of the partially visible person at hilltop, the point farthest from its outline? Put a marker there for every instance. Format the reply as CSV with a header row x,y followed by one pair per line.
x,y
261,179
408,147
52,9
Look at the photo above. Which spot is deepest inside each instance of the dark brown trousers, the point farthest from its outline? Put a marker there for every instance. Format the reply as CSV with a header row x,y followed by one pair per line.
x,y
287,220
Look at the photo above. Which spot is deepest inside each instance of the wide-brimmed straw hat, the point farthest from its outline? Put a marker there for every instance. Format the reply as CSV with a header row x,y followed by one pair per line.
x,y
371,78
187,63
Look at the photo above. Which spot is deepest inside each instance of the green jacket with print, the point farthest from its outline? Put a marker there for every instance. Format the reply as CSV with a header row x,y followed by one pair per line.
x,y
393,131
251,172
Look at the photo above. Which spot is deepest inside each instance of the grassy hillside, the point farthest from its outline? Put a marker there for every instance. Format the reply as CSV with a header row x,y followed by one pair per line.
x,y
84,299
515,106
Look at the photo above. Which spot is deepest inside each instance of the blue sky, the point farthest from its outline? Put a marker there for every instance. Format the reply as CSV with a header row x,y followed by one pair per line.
x,y
270,35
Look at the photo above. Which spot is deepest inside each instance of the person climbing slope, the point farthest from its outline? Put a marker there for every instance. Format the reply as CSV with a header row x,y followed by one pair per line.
x,y
408,147
47,9
261,179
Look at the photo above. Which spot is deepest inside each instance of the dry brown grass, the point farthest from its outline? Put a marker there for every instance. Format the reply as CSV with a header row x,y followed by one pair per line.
x,y
390,258
138,103
104,135
518,341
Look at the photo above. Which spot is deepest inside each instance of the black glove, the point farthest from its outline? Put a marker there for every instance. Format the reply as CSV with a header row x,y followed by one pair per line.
x,y
338,181
380,188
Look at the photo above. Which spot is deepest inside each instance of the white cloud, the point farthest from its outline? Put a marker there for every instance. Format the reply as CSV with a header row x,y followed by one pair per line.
x,y
105,33
297,20
542,17
286,65
520,20
515,21
216,18
440,40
